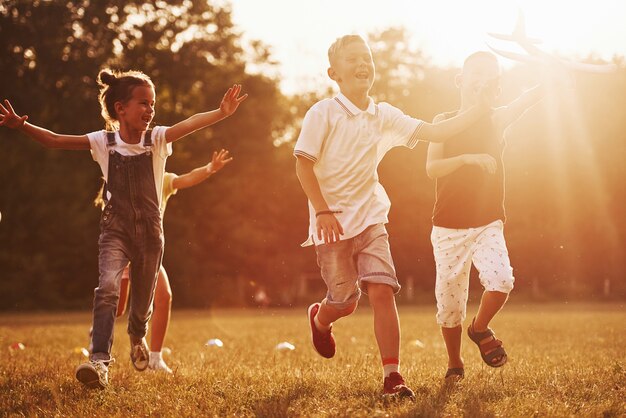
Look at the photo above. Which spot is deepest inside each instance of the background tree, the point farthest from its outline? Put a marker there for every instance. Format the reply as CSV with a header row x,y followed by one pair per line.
x,y
51,55
241,230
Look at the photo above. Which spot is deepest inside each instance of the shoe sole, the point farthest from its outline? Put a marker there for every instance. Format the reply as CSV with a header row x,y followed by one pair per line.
x,y
401,394
138,363
89,378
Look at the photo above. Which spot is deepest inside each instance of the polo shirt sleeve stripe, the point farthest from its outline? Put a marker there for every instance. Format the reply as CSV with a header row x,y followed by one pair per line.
x,y
415,136
313,133
299,153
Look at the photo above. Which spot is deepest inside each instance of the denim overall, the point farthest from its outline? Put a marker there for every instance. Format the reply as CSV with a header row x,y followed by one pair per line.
x,y
130,231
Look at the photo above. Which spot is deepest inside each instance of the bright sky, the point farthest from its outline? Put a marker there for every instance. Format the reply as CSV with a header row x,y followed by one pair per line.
x,y
300,32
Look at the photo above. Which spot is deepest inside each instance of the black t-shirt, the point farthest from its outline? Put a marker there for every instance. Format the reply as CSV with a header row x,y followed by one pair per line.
x,y
470,197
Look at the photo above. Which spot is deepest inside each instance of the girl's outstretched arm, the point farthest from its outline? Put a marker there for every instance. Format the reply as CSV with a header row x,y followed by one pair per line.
x,y
47,138
228,106
198,175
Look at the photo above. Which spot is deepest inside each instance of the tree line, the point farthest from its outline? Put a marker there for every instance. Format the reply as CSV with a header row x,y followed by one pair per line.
x,y
241,230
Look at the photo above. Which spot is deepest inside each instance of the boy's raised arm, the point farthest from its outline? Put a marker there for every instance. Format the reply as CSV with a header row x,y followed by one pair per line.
x,y
514,110
440,131
228,106
47,138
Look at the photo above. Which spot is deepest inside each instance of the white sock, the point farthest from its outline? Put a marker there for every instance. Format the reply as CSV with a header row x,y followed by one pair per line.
x,y
155,357
390,368
319,325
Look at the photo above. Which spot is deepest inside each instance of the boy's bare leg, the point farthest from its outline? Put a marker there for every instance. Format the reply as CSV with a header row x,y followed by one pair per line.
x,y
162,311
452,339
328,314
387,330
386,322
490,304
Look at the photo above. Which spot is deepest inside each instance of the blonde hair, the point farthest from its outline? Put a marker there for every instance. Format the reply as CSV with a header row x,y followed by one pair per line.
x,y
118,87
341,43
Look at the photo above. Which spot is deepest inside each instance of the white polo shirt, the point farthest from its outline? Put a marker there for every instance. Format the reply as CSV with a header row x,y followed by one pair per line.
x,y
347,144
161,149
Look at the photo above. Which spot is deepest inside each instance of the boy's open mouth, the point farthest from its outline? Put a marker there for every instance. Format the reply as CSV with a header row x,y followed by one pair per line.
x,y
362,75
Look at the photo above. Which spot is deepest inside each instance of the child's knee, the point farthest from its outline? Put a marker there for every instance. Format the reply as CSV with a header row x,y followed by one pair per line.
x,y
108,293
344,307
450,316
379,293
499,281
163,298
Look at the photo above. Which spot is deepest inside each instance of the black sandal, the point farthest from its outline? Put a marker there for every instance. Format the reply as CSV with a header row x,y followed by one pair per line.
x,y
456,372
490,350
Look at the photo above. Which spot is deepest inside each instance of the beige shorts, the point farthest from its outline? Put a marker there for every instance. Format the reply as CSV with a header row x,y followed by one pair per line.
x,y
347,266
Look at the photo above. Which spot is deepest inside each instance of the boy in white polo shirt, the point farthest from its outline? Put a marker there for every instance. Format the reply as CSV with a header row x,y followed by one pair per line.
x,y
341,143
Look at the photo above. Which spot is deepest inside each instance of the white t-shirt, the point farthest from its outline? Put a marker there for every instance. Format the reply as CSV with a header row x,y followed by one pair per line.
x,y
347,144
160,151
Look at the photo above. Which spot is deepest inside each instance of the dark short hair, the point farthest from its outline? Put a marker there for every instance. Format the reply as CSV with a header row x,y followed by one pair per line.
x,y
478,56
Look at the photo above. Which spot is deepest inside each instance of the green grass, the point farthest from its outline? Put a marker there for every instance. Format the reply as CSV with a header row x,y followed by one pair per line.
x,y
563,361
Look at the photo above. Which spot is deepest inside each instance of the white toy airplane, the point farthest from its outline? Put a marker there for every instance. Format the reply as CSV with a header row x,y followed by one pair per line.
x,y
536,55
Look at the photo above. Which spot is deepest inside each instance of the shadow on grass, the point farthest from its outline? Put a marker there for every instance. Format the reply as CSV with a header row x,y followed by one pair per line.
x,y
278,405
430,403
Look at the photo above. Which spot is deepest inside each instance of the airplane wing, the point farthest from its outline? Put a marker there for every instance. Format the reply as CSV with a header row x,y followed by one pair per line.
x,y
532,59
519,32
513,38
590,68
543,57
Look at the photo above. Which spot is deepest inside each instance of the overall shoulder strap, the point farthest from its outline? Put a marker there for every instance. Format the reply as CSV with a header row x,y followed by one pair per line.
x,y
110,139
147,139
111,142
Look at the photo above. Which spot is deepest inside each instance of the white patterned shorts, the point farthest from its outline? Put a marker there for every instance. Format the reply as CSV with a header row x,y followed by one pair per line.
x,y
455,250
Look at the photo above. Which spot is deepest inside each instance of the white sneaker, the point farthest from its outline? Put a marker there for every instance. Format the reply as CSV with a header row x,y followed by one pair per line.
x,y
158,365
94,374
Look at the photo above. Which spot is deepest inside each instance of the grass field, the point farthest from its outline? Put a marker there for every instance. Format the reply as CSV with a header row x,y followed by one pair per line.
x,y
564,360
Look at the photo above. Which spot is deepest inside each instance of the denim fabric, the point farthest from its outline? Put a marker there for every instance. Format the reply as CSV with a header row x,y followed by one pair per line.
x,y
348,265
131,231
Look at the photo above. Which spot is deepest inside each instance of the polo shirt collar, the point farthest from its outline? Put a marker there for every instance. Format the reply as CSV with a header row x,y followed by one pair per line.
x,y
351,109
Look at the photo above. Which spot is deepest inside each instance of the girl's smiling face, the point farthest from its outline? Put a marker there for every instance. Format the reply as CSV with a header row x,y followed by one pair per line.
x,y
138,111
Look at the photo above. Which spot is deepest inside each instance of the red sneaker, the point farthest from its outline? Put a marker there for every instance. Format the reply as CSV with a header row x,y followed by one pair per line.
x,y
395,386
324,342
